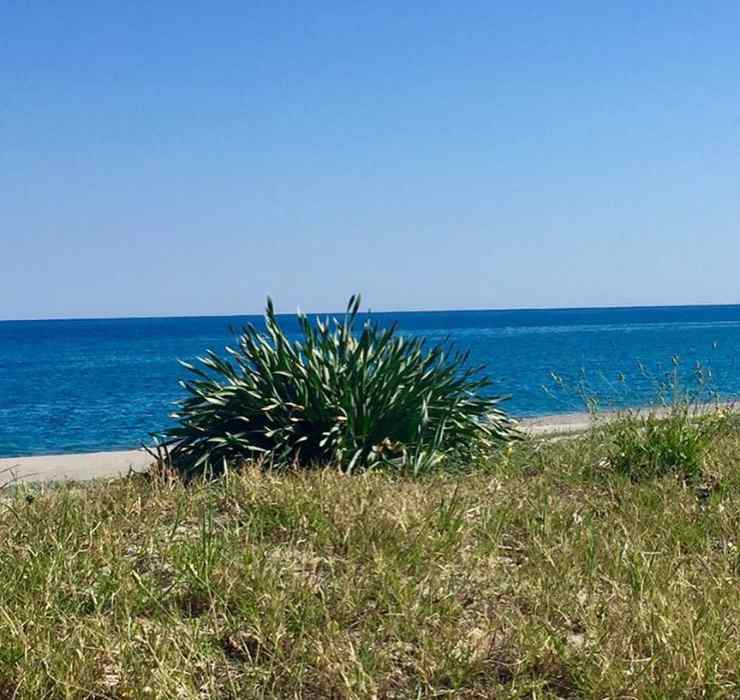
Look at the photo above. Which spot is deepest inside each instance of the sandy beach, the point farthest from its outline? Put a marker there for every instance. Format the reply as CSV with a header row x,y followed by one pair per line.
x,y
72,467
102,465
106,465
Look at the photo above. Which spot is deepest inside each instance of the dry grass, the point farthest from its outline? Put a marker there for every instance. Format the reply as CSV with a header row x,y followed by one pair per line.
x,y
538,574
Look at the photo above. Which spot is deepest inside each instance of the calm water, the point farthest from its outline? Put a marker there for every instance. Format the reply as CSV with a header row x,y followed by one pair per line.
x,y
76,386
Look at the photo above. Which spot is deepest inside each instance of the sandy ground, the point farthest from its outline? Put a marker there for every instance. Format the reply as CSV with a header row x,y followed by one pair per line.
x,y
96,465
555,425
72,467
102,465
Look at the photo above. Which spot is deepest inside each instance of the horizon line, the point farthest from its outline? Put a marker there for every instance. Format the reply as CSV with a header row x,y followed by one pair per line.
x,y
615,307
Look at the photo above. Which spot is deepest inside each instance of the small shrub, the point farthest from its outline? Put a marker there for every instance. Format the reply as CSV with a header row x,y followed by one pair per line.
x,y
336,397
653,445
670,436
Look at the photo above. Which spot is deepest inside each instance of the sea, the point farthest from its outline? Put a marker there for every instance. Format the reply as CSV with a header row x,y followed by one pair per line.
x,y
90,385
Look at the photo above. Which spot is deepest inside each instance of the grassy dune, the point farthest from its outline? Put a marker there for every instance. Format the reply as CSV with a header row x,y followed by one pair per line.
x,y
539,573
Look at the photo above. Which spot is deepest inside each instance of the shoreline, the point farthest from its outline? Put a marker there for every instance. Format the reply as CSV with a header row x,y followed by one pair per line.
x,y
86,466
83,466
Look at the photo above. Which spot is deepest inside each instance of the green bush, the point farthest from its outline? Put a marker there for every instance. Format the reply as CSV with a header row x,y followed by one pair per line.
x,y
672,442
336,397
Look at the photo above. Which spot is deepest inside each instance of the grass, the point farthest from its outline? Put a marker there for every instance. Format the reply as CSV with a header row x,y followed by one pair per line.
x,y
543,572
649,445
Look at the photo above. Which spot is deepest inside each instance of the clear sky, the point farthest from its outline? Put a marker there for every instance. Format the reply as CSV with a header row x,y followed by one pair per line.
x,y
177,158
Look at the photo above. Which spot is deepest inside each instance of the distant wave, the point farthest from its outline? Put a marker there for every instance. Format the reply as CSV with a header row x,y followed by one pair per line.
x,y
586,328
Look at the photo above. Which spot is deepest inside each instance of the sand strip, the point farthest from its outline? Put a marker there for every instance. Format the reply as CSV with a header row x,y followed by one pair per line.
x,y
557,425
97,465
102,465
72,467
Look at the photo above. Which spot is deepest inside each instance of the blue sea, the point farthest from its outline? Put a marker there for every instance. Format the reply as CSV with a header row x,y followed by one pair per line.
x,y
89,385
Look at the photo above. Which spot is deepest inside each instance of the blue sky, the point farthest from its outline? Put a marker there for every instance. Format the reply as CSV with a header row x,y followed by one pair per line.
x,y
186,158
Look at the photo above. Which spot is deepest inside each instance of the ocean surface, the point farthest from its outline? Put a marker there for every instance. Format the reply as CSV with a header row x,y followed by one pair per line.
x,y
89,385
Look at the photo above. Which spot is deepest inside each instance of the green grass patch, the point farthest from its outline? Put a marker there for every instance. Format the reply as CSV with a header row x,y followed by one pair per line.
x,y
544,572
649,445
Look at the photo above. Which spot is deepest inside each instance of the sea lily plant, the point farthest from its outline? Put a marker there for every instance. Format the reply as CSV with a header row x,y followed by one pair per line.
x,y
348,393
